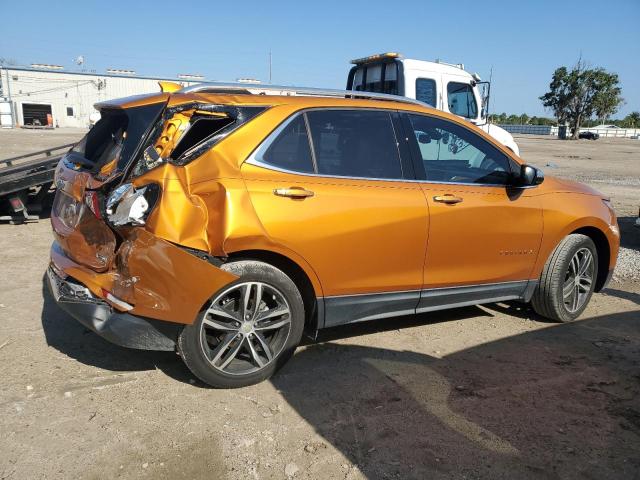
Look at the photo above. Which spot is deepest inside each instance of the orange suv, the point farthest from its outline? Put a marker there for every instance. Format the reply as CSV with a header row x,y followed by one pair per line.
x,y
223,224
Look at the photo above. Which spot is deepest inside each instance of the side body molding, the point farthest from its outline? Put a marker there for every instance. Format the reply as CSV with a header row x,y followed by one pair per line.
x,y
346,309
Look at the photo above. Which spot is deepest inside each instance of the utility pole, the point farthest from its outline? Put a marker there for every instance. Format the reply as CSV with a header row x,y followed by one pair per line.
x,y
269,66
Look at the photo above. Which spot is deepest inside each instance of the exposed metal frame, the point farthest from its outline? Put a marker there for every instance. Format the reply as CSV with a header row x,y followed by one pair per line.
x,y
244,89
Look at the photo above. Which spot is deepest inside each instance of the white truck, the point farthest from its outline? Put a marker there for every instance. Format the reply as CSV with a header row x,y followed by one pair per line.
x,y
447,87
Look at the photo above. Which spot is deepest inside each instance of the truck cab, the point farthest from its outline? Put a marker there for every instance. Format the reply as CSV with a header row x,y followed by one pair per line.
x,y
444,86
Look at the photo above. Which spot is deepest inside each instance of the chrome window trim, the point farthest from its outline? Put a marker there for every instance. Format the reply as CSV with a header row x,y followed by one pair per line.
x,y
255,158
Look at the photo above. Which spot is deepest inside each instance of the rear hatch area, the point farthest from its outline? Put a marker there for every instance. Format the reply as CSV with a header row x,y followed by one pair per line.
x,y
123,263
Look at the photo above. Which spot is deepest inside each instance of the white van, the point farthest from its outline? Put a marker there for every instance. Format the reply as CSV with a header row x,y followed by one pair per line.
x,y
447,87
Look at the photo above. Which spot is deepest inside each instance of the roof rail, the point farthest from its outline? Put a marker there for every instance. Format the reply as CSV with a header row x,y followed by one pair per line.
x,y
282,90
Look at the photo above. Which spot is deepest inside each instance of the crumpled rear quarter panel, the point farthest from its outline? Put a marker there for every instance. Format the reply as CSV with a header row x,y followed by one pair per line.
x,y
159,279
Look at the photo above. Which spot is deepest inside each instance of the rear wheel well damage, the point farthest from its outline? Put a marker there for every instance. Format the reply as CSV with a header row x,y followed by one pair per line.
x,y
604,253
299,277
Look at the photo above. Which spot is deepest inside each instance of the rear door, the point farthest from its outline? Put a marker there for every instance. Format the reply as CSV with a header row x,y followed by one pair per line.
x,y
484,235
329,185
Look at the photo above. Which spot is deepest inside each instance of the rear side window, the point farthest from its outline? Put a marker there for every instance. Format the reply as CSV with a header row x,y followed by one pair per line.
x,y
200,130
354,143
426,91
290,150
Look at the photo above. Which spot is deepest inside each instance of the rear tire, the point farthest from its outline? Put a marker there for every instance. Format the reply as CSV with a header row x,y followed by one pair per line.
x,y
248,331
567,280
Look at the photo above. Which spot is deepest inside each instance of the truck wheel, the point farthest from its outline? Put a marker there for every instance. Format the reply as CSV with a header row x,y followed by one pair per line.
x,y
567,280
248,331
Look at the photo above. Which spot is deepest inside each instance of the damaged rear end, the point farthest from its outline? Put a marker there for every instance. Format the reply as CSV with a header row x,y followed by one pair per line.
x,y
108,269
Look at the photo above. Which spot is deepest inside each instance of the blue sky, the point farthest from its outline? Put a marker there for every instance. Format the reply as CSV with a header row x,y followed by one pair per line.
x,y
312,42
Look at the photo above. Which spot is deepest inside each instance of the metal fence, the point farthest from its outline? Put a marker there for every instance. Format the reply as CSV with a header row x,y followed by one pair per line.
x,y
613,132
531,129
553,130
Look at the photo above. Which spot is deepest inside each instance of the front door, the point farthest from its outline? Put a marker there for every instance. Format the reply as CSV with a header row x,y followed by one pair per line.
x,y
340,201
484,235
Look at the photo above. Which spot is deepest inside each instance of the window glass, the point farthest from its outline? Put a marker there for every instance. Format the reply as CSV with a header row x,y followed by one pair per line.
x,y
354,143
461,100
358,78
426,91
452,153
69,111
290,150
105,140
373,79
390,79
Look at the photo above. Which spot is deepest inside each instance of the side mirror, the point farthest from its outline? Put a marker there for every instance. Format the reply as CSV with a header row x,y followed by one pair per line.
x,y
530,176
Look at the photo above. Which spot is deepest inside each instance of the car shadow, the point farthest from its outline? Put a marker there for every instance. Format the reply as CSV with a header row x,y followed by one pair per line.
x,y
629,233
560,402
631,296
69,337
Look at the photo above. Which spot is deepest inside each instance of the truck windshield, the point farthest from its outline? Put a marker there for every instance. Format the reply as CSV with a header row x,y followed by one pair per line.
x,y
376,77
461,100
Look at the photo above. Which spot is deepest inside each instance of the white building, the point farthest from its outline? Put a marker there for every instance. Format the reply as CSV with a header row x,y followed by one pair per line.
x,y
44,95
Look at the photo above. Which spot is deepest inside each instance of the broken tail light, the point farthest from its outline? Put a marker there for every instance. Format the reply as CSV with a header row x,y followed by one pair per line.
x,y
92,200
128,205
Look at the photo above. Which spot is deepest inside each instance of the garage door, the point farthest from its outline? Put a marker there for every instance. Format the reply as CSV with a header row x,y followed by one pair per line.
x,y
34,114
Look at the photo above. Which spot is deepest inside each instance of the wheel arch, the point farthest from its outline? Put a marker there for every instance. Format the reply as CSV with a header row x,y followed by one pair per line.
x,y
312,299
604,252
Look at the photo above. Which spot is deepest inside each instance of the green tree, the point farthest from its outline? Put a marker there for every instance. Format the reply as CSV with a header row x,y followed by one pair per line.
x,y
576,95
632,120
608,97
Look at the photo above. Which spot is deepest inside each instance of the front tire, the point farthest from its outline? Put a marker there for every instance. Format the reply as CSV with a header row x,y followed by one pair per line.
x,y
567,280
248,331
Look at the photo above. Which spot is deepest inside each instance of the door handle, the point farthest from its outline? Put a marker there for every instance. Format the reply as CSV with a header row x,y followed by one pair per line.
x,y
293,192
447,198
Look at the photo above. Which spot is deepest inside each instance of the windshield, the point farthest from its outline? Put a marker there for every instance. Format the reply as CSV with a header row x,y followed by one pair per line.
x,y
461,100
115,137
376,77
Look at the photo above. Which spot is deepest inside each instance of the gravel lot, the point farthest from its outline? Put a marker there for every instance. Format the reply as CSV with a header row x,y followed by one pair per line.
x,y
477,392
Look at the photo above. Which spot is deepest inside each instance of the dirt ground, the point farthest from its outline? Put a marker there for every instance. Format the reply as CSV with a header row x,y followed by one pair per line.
x,y
477,392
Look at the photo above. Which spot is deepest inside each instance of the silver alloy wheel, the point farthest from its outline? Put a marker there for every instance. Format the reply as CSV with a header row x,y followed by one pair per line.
x,y
245,328
578,280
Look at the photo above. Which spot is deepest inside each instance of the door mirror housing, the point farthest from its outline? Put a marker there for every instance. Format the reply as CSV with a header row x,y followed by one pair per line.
x,y
529,176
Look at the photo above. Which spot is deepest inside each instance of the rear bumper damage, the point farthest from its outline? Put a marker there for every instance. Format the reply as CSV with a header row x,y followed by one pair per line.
x,y
119,328
152,289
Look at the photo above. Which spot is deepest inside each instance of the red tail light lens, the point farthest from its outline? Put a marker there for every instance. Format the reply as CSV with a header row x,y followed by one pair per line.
x,y
16,204
92,200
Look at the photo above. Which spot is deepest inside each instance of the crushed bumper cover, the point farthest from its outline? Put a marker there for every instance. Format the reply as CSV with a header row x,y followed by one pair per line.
x,y
97,315
144,298
149,278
